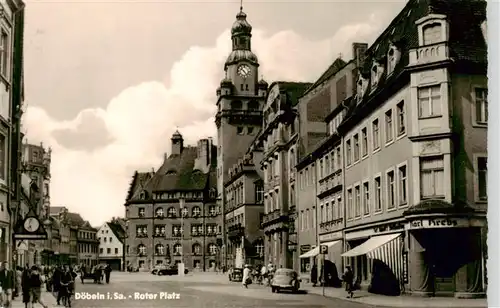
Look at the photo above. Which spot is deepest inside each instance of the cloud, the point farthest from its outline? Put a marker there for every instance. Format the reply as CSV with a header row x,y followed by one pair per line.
x,y
134,130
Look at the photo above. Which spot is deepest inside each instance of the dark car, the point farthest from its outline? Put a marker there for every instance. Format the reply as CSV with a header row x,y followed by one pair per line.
x,y
285,279
236,275
169,271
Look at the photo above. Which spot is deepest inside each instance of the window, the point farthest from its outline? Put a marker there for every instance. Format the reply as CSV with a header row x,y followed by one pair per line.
x,y
141,249
364,144
159,249
374,77
259,249
177,230
355,139
142,212
185,212
159,212
328,212
196,249
307,219
302,221
159,231
429,101
481,97
292,195
101,250
172,212
378,194
339,207
388,126
116,251
376,134
327,165
348,152
357,201
3,157
259,192
350,210
339,157
403,180
322,214
177,249
366,198
110,239
212,210
482,178
212,249
320,167
250,130
4,56
391,191
196,211
432,177
140,231
401,118
391,60
432,34
239,130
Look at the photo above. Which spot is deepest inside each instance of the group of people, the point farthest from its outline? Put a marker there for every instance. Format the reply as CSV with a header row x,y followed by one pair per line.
x,y
261,273
98,273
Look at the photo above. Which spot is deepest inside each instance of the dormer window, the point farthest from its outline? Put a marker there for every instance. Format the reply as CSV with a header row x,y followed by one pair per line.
x,y
376,72
361,88
432,29
392,59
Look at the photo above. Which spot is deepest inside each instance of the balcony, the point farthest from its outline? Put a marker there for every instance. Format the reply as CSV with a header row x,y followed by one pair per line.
x,y
429,54
235,231
330,183
330,225
274,217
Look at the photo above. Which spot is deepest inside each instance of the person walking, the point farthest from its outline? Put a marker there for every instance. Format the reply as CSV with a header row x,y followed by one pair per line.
x,y
107,272
348,278
6,284
67,280
25,287
314,275
17,279
56,283
246,276
35,286
263,274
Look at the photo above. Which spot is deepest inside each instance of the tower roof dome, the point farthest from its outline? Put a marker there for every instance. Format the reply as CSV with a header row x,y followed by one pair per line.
x,y
239,55
176,135
241,25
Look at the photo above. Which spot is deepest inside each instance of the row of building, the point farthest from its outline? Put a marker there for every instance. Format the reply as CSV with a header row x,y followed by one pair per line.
x,y
382,159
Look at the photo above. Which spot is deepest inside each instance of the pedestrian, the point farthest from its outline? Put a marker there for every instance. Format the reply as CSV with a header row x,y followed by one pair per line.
x,y
263,274
107,272
6,284
246,276
348,278
314,275
67,279
35,285
25,287
56,283
17,279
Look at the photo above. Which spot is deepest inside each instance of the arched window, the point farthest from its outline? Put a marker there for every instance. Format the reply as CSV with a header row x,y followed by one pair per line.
x,y
236,105
159,250
143,195
141,249
185,212
212,249
172,212
212,211
196,248
196,211
259,248
159,212
177,249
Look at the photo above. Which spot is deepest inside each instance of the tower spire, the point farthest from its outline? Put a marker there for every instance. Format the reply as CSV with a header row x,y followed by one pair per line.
x,y
241,5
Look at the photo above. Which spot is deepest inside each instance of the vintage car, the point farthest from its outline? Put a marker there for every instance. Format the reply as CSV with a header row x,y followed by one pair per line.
x,y
285,279
167,270
158,268
236,275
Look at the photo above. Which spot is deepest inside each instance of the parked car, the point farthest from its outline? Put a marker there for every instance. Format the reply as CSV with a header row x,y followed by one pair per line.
x,y
236,275
157,268
167,270
285,279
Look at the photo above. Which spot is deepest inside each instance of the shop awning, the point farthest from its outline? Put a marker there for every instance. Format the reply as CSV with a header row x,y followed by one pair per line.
x,y
315,251
311,253
370,245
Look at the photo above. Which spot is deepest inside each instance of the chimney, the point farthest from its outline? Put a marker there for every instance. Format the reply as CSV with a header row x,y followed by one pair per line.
x,y
358,52
165,156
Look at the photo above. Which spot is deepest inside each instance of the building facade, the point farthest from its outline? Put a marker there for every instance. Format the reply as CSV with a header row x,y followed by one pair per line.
x,y
68,224
87,245
414,158
111,245
244,192
279,137
173,216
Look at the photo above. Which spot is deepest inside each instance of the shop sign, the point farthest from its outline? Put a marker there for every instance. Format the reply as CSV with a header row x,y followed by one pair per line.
x,y
405,267
304,248
330,236
398,226
433,223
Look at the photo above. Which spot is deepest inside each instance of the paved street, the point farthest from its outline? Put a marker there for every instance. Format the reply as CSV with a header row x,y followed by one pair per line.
x,y
213,290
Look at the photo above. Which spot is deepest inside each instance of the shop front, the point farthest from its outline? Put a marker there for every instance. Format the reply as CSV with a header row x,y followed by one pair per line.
x,y
377,256
447,253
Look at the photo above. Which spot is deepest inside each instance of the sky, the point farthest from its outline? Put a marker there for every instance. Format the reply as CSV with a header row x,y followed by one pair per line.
x,y
108,82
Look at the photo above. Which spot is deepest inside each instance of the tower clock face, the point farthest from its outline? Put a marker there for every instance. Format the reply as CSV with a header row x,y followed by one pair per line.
x,y
244,71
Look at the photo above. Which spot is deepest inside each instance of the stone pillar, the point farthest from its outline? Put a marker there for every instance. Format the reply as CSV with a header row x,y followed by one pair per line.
x,y
284,250
419,272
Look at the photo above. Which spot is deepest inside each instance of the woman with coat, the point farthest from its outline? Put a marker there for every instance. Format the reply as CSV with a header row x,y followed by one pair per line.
x,y
314,275
246,276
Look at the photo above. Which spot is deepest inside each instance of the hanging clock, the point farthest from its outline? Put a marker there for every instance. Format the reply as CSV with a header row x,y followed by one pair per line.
x,y
31,224
244,71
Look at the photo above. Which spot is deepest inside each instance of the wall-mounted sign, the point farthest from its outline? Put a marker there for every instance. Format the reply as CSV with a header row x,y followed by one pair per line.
x,y
405,267
433,223
330,236
304,248
389,227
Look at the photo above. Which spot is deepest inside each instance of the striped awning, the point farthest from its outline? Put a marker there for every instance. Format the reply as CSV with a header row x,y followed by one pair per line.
x,y
386,248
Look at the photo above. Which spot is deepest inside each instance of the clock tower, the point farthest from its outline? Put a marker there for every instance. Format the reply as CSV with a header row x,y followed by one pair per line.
x,y
240,99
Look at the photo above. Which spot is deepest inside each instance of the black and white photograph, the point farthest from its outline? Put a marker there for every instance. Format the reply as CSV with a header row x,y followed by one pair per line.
x,y
247,153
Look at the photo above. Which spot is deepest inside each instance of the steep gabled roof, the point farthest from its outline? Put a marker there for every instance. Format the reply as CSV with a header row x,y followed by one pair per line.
x,y
55,210
117,230
293,90
177,173
139,181
336,66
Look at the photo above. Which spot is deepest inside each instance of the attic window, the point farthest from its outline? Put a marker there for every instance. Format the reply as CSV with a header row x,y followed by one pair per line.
x,y
392,59
143,195
374,77
171,171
